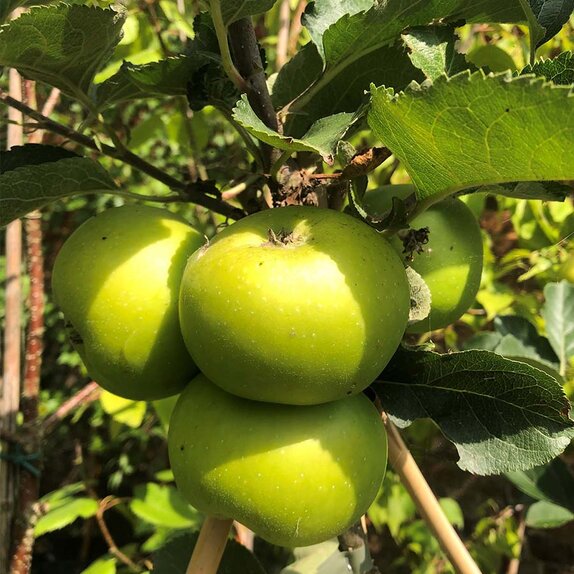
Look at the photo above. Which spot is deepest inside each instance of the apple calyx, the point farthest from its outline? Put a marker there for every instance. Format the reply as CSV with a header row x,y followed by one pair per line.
x,y
283,238
413,241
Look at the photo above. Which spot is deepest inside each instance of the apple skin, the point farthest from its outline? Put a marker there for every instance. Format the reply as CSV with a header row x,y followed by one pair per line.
x,y
116,280
306,322
295,475
451,261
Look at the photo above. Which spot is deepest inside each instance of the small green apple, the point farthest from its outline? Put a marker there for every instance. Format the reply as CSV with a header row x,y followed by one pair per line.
x,y
451,261
116,279
295,475
296,305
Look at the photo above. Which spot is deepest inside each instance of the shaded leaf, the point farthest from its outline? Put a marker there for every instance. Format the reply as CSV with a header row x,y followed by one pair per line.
x,y
29,187
348,90
559,70
502,415
31,154
297,75
173,558
168,77
491,57
62,45
547,515
552,482
162,505
557,312
233,10
472,130
544,190
550,15
64,513
322,137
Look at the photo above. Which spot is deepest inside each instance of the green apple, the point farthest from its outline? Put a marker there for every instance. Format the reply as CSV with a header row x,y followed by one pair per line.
x,y
451,261
116,279
296,305
295,475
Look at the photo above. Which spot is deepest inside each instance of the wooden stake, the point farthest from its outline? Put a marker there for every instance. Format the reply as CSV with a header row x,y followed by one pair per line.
x,y
210,546
426,502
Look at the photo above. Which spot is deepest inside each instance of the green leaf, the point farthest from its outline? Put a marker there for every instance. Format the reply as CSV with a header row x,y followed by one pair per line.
x,y
502,415
452,511
550,15
472,130
61,45
557,312
130,413
103,565
552,482
64,514
297,75
547,515
233,10
34,185
393,506
323,558
534,346
173,558
559,70
345,92
350,36
492,57
162,505
432,50
322,137
164,78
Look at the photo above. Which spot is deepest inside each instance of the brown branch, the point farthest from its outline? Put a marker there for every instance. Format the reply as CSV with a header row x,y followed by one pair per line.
x,y
86,395
247,58
106,504
188,192
514,564
296,27
29,484
10,387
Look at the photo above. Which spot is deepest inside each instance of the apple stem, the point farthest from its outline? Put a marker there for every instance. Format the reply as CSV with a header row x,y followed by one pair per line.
x,y
210,546
427,503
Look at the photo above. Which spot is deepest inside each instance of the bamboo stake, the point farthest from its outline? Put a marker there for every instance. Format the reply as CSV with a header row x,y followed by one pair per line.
x,y
10,387
426,502
210,546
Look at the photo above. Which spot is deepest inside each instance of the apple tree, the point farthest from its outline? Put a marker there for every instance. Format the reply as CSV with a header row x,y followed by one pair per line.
x,y
285,234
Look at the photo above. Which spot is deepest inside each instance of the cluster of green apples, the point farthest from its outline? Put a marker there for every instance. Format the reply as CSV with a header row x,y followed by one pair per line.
x,y
269,333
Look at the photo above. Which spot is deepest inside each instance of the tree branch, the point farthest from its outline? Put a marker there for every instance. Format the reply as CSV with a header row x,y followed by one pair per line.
x,y
87,394
188,192
247,58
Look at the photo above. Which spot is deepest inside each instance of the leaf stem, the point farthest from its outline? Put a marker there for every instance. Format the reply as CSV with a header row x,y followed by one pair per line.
x,y
226,59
